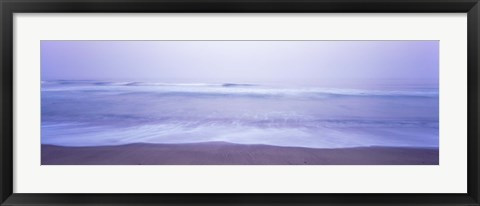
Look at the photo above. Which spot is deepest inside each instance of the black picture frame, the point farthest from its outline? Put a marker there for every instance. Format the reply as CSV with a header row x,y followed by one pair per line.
x,y
9,7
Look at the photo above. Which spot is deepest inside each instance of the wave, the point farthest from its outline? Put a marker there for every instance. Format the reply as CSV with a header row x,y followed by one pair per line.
x,y
133,83
237,85
266,121
320,137
228,89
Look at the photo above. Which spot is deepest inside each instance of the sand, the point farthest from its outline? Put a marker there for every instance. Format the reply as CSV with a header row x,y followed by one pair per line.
x,y
220,153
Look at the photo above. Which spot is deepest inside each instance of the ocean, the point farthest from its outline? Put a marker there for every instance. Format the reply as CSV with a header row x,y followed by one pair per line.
x,y
94,113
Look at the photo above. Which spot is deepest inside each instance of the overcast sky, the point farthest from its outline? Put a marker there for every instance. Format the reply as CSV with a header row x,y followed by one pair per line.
x,y
241,61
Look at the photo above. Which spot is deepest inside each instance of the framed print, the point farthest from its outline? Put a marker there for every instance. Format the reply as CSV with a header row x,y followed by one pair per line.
x,y
240,102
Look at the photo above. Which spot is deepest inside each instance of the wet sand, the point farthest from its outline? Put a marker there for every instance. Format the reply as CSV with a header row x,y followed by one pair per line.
x,y
220,153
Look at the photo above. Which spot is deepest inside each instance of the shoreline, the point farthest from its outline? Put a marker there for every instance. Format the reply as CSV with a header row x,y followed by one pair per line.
x,y
222,153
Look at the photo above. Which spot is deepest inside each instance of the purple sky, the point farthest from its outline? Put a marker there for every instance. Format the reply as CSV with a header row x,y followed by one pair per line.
x,y
296,62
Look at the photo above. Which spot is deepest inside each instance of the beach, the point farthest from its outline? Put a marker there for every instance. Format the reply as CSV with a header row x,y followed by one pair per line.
x,y
240,103
223,153
142,123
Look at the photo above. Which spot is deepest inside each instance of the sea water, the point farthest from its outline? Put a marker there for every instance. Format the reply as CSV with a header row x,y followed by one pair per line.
x,y
93,113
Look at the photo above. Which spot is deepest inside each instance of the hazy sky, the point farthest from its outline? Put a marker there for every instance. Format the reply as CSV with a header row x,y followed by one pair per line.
x,y
241,61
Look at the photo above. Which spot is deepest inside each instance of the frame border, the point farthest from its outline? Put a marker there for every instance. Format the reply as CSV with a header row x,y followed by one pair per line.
x,y
9,7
